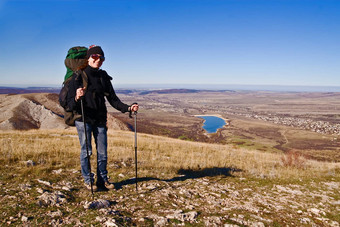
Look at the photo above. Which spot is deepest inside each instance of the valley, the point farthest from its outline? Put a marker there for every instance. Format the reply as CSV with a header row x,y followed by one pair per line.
x,y
307,123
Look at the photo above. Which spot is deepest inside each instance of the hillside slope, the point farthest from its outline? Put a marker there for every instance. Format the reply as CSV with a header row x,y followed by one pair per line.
x,y
20,112
180,183
37,111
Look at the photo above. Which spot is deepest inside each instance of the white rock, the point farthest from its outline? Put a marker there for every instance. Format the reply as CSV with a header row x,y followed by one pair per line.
x,y
179,215
53,198
66,188
44,182
54,214
24,219
57,171
161,221
39,190
30,163
25,187
335,223
100,219
314,211
258,224
304,220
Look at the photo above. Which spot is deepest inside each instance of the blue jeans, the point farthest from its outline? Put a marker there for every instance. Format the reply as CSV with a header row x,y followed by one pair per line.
x,y
100,138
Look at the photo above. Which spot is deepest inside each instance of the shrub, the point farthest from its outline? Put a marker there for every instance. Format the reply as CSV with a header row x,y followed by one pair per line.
x,y
293,159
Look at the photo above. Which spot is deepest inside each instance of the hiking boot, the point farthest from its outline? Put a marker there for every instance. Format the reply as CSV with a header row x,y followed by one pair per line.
x,y
109,185
88,187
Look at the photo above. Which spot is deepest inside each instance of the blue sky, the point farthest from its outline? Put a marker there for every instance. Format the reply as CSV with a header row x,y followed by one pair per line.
x,y
206,42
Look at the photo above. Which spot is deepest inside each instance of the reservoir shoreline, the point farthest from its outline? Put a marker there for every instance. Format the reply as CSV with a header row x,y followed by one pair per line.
x,y
226,122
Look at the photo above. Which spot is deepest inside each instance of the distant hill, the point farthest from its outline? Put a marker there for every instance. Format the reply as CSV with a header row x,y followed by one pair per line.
x,y
177,91
37,111
17,90
169,91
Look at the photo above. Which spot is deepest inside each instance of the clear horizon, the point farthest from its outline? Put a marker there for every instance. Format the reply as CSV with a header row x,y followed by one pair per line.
x,y
249,42
282,88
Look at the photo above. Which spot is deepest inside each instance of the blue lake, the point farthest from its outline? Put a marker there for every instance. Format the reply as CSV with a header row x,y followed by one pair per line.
x,y
212,123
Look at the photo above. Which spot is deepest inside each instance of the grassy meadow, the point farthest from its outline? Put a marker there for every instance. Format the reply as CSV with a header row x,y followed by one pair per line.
x,y
160,159
156,155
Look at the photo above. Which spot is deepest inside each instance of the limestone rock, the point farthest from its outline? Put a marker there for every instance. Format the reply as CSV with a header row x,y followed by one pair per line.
x,y
98,204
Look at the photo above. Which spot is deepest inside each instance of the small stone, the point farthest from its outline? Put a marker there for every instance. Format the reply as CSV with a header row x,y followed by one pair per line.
x,y
51,199
100,219
99,204
25,187
57,171
24,219
121,175
54,214
258,224
305,220
30,163
299,212
315,211
161,221
66,188
44,182
110,222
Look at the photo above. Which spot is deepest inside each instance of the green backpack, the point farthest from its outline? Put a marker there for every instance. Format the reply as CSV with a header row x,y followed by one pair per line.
x,y
75,61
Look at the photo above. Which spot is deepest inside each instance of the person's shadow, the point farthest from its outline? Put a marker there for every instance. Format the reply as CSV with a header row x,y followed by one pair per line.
x,y
184,175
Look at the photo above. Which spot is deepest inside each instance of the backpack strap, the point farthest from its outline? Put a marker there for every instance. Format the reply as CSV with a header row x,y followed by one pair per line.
x,y
84,77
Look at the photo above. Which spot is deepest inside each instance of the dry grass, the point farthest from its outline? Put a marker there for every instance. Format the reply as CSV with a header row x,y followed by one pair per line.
x,y
157,156
183,172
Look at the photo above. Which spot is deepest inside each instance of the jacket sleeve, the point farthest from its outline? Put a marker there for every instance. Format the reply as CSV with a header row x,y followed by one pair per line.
x,y
112,98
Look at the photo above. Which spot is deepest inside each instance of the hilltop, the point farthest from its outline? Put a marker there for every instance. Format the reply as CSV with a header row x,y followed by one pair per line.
x,y
180,183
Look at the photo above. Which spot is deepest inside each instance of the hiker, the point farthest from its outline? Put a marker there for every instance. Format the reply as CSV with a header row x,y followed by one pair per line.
x,y
95,112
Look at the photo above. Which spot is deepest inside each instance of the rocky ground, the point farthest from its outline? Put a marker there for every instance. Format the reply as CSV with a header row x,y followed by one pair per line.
x,y
217,198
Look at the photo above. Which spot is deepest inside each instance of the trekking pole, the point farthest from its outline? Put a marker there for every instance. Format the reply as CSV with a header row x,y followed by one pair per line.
x,y
135,117
86,142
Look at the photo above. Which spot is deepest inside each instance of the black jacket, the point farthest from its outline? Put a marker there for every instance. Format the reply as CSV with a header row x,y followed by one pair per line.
x,y
99,87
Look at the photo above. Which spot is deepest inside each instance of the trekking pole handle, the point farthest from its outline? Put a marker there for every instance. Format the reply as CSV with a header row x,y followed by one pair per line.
x,y
135,112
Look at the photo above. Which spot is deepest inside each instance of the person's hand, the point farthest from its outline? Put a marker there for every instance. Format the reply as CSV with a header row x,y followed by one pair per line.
x,y
80,93
134,107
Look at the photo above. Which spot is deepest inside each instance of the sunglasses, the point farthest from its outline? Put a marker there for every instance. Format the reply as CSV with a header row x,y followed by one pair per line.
x,y
97,56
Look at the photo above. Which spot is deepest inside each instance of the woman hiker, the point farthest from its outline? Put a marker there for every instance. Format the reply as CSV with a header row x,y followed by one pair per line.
x,y
99,87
